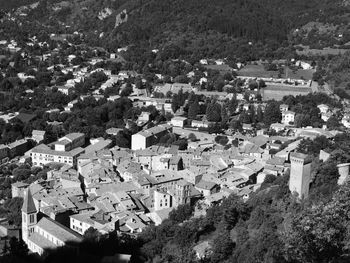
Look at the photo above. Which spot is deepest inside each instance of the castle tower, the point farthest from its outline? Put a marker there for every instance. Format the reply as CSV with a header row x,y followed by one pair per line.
x,y
300,174
29,216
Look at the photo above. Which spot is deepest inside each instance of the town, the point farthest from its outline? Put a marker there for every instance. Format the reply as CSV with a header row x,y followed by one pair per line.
x,y
92,143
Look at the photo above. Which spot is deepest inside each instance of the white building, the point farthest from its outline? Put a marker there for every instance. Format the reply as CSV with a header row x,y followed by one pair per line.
x,y
81,222
162,200
147,138
323,108
42,155
288,117
178,121
346,121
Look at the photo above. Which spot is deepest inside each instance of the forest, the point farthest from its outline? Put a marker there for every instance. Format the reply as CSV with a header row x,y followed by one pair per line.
x,y
241,29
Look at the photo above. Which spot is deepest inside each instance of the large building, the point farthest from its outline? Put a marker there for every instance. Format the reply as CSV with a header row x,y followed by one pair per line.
x,y
300,174
147,138
43,155
44,233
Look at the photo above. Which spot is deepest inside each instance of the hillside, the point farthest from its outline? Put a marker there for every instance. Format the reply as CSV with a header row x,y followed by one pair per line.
x,y
6,5
197,27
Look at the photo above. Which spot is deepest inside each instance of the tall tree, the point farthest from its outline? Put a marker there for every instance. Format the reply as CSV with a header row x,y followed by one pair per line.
x,y
194,109
272,113
213,112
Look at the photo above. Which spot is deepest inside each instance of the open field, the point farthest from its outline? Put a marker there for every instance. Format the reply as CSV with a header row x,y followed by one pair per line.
x,y
259,71
277,92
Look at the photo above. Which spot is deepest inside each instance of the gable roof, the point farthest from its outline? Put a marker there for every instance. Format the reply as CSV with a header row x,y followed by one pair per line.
x,y
59,231
25,117
28,203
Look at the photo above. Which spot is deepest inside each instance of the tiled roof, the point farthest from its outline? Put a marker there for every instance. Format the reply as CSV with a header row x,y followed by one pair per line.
x,y
205,185
57,230
73,136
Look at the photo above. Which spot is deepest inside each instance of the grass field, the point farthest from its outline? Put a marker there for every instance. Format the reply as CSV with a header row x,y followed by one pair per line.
x,y
277,92
259,71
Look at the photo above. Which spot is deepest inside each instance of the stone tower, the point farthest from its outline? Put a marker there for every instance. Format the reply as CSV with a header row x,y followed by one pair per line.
x,y
29,216
300,174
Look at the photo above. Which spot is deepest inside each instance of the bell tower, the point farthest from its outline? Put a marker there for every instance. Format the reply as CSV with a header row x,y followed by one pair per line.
x,y
29,216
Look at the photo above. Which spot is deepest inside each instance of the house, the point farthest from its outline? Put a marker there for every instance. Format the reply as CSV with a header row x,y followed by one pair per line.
x,y
25,117
4,152
38,136
346,120
162,200
178,121
147,138
323,108
199,124
277,127
304,65
284,107
247,127
207,188
18,189
70,141
113,131
288,117
144,116
18,148
202,250
98,146
81,222
325,116
173,88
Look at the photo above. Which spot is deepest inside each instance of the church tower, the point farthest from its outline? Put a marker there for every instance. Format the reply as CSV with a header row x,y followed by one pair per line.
x,y
29,216
300,174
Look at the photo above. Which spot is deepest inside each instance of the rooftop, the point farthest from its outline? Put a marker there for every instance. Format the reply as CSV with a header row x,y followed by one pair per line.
x,y
57,230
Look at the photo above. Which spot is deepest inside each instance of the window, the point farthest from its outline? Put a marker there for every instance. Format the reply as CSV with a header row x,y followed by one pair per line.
x,y
31,218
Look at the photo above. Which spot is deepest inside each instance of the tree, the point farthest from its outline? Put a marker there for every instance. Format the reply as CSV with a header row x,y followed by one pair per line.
x,y
223,140
232,106
194,109
222,248
333,123
126,91
175,103
6,85
213,112
18,247
192,137
259,114
181,213
224,116
321,232
92,235
325,181
272,113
